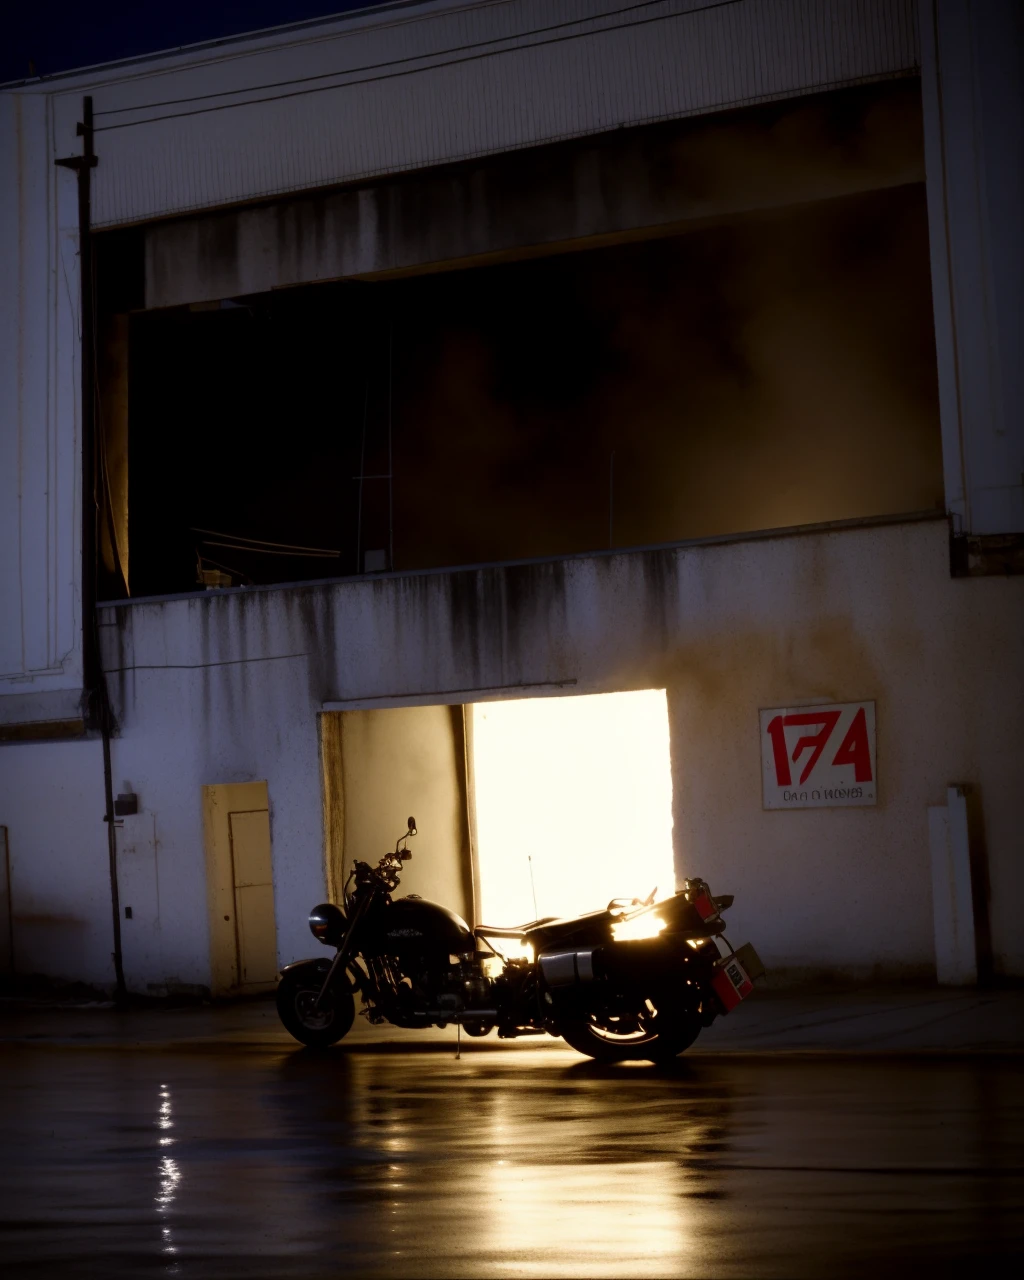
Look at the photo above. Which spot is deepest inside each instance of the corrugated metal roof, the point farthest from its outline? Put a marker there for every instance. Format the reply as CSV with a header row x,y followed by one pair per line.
x,y
385,93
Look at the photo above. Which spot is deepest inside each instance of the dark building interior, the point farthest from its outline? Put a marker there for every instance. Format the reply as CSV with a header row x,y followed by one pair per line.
x,y
774,369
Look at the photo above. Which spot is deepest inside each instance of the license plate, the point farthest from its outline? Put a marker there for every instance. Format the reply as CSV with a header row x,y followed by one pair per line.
x,y
731,983
705,908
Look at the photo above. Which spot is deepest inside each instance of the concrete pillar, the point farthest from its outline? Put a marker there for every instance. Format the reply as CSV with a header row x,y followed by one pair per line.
x,y
972,64
956,963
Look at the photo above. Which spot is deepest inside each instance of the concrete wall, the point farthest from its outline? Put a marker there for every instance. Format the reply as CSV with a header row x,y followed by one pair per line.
x,y
973,91
625,184
40,471
694,62
396,89
398,762
51,798
227,686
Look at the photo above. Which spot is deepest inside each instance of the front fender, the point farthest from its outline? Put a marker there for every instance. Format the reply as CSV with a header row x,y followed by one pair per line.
x,y
320,967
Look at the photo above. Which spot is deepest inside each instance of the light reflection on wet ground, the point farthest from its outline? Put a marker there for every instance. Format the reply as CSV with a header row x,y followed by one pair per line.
x,y
529,1164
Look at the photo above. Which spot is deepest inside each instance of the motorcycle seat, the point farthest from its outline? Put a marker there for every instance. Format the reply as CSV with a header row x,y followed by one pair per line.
x,y
516,934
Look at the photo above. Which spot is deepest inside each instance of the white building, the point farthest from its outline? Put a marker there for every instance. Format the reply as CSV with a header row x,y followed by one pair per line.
x,y
719,227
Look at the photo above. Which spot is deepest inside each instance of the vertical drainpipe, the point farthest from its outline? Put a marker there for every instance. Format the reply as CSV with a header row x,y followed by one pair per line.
x,y
5,852
470,811
95,681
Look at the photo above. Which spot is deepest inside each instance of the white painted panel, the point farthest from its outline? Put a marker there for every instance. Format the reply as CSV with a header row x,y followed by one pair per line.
x,y
972,64
952,899
138,880
26,446
40,650
383,94
11,649
37,446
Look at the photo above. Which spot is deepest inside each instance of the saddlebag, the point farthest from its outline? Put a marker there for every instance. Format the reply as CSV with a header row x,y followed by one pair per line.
x,y
647,962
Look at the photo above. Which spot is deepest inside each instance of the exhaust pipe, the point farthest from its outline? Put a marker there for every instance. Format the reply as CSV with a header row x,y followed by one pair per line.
x,y
567,968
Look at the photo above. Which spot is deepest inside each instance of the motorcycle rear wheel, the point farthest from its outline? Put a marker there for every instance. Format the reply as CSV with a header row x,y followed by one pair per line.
x,y
317,1028
646,1033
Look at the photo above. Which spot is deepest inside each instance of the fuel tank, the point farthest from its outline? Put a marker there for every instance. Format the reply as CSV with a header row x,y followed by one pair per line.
x,y
414,927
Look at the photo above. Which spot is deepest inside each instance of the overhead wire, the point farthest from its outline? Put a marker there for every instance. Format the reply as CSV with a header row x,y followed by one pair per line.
x,y
273,551
442,62
264,542
391,62
414,57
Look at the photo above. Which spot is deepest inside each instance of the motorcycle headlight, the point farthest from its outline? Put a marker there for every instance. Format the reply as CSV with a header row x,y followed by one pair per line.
x,y
327,924
642,926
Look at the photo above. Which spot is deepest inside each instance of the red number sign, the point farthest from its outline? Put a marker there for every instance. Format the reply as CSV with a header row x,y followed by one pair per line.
x,y
818,757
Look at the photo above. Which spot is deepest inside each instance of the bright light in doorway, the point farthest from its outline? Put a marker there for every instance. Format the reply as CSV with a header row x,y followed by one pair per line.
x,y
573,803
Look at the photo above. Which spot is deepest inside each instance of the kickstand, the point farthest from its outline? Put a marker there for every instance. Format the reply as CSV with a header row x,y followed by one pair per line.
x,y
458,1042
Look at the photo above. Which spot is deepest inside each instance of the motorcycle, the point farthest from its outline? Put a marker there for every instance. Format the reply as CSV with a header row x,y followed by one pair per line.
x,y
638,980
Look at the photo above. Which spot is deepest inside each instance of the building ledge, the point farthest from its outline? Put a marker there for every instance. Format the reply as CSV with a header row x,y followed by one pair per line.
x,y
724,539
43,731
39,709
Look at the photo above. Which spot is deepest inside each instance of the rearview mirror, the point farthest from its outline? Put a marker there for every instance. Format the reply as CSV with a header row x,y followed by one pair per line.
x,y
412,826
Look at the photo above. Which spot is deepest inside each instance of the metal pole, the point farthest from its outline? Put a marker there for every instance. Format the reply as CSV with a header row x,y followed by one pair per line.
x,y
362,477
83,166
611,500
391,466
95,680
10,900
115,898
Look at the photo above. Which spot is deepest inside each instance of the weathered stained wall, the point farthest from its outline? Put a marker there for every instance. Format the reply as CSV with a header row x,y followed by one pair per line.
x,y
625,184
227,687
162,153
393,90
397,762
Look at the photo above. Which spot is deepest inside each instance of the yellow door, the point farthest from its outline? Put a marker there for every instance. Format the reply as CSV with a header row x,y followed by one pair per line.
x,y
240,890
254,896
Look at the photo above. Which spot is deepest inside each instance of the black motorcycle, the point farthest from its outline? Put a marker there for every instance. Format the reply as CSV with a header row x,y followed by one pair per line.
x,y
637,980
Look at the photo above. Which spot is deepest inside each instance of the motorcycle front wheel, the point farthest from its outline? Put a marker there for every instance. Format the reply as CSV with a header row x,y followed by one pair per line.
x,y
316,1027
635,1030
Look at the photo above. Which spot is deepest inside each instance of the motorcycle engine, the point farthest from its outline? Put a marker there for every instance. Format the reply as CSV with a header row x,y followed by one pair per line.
x,y
451,983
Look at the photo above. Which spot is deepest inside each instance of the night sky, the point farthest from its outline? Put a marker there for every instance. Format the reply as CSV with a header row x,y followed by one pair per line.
x,y
59,35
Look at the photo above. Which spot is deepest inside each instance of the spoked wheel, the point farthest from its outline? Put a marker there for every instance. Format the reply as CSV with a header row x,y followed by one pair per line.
x,y
645,1029
316,1027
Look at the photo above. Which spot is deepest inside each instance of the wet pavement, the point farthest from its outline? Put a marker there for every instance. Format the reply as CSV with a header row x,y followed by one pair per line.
x,y
196,1143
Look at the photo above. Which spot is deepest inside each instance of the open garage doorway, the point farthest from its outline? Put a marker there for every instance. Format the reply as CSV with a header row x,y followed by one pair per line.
x,y
573,801
562,802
